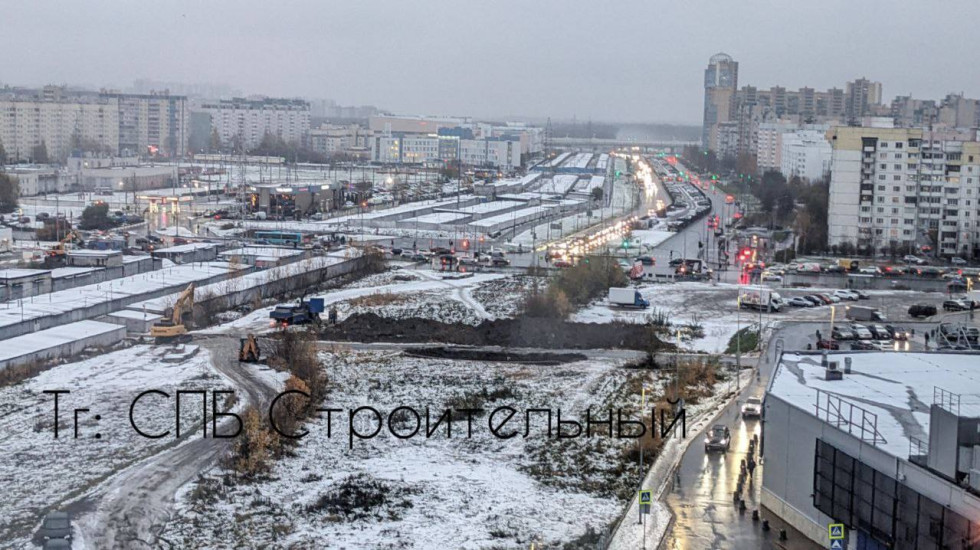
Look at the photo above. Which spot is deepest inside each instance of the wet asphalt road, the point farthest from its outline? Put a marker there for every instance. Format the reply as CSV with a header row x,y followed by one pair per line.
x,y
701,497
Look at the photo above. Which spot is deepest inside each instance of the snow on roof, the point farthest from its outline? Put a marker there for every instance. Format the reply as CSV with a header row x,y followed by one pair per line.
x,y
56,303
580,160
559,184
59,272
21,273
515,215
133,314
896,386
603,162
184,248
438,217
262,252
49,338
93,253
249,280
490,206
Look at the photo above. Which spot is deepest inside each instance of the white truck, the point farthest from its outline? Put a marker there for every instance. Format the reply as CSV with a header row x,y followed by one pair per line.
x,y
864,313
759,298
627,297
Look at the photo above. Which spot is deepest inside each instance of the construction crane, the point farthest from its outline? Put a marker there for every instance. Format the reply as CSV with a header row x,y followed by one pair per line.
x,y
248,349
58,253
172,329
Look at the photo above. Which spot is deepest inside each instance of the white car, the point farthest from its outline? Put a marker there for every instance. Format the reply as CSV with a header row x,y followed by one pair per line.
x,y
846,295
910,259
870,270
862,332
752,408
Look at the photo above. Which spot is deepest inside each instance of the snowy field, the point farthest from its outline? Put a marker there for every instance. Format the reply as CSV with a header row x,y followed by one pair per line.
x,y
41,473
480,492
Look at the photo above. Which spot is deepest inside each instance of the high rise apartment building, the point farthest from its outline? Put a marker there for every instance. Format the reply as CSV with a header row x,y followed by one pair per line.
x,y
905,189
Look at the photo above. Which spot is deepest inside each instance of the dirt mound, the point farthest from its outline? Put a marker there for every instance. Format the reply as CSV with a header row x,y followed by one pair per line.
x,y
497,356
520,332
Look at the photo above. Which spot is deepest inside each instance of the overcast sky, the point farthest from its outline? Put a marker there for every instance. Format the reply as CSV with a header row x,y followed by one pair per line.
x,y
609,61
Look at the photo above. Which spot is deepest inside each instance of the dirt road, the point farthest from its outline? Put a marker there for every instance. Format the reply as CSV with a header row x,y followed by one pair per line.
x,y
128,509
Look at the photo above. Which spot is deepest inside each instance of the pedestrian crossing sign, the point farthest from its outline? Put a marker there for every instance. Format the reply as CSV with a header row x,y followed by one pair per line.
x,y
836,545
836,531
646,496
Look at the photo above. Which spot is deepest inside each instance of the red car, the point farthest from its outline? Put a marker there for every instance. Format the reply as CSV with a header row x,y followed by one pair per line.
x,y
828,344
562,263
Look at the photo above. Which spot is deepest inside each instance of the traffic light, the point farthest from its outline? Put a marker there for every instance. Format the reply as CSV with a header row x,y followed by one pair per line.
x,y
626,243
466,244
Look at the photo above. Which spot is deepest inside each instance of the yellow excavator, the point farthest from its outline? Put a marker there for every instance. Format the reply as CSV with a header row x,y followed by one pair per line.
x,y
171,328
248,349
57,255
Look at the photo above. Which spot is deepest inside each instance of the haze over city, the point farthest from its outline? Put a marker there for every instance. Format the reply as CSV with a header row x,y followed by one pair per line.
x,y
637,62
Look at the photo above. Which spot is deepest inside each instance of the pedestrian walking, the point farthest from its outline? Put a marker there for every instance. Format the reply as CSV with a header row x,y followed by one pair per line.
x,y
751,466
927,340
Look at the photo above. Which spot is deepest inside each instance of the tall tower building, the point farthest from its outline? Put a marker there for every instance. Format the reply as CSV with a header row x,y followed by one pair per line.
x,y
720,83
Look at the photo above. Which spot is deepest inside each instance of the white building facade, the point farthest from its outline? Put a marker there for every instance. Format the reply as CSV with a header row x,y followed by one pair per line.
x,y
805,154
248,120
904,188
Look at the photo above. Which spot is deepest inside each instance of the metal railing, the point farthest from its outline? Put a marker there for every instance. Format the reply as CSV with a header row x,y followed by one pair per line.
x,y
847,416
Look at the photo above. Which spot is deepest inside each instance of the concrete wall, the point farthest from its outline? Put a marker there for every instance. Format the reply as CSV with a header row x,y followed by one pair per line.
x,y
66,349
134,324
95,310
105,274
275,287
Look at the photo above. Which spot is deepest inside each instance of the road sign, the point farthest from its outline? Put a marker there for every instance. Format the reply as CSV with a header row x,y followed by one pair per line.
x,y
836,531
836,545
646,499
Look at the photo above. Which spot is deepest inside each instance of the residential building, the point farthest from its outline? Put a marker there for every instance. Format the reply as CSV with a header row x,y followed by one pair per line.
x,y
905,188
246,121
768,141
333,139
104,122
805,154
863,96
720,83
448,146
59,121
884,443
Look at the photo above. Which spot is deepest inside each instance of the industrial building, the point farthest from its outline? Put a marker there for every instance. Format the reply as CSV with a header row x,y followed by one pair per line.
x,y
885,443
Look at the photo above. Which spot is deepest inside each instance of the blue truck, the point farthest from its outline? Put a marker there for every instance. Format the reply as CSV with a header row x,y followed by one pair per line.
x,y
303,313
627,297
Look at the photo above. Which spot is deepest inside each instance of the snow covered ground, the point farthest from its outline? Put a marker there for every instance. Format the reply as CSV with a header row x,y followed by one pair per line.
x,y
422,293
41,473
438,492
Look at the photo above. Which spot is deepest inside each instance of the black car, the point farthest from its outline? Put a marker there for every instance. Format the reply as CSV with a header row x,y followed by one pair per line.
x,y
922,310
56,525
718,439
898,333
814,300
879,332
863,346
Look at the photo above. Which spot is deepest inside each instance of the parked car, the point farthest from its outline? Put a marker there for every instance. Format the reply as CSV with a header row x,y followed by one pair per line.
x,y
718,439
825,299
828,344
958,261
898,333
862,332
800,301
955,305
842,333
768,276
910,259
921,310
880,332
862,295
752,408
55,525
846,295
814,299
863,345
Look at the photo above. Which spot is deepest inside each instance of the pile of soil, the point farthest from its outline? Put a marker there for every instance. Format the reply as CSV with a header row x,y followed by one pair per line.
x,y
463,354
522,332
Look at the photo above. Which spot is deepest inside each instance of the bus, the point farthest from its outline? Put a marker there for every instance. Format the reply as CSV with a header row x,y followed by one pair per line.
x,y
279,237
